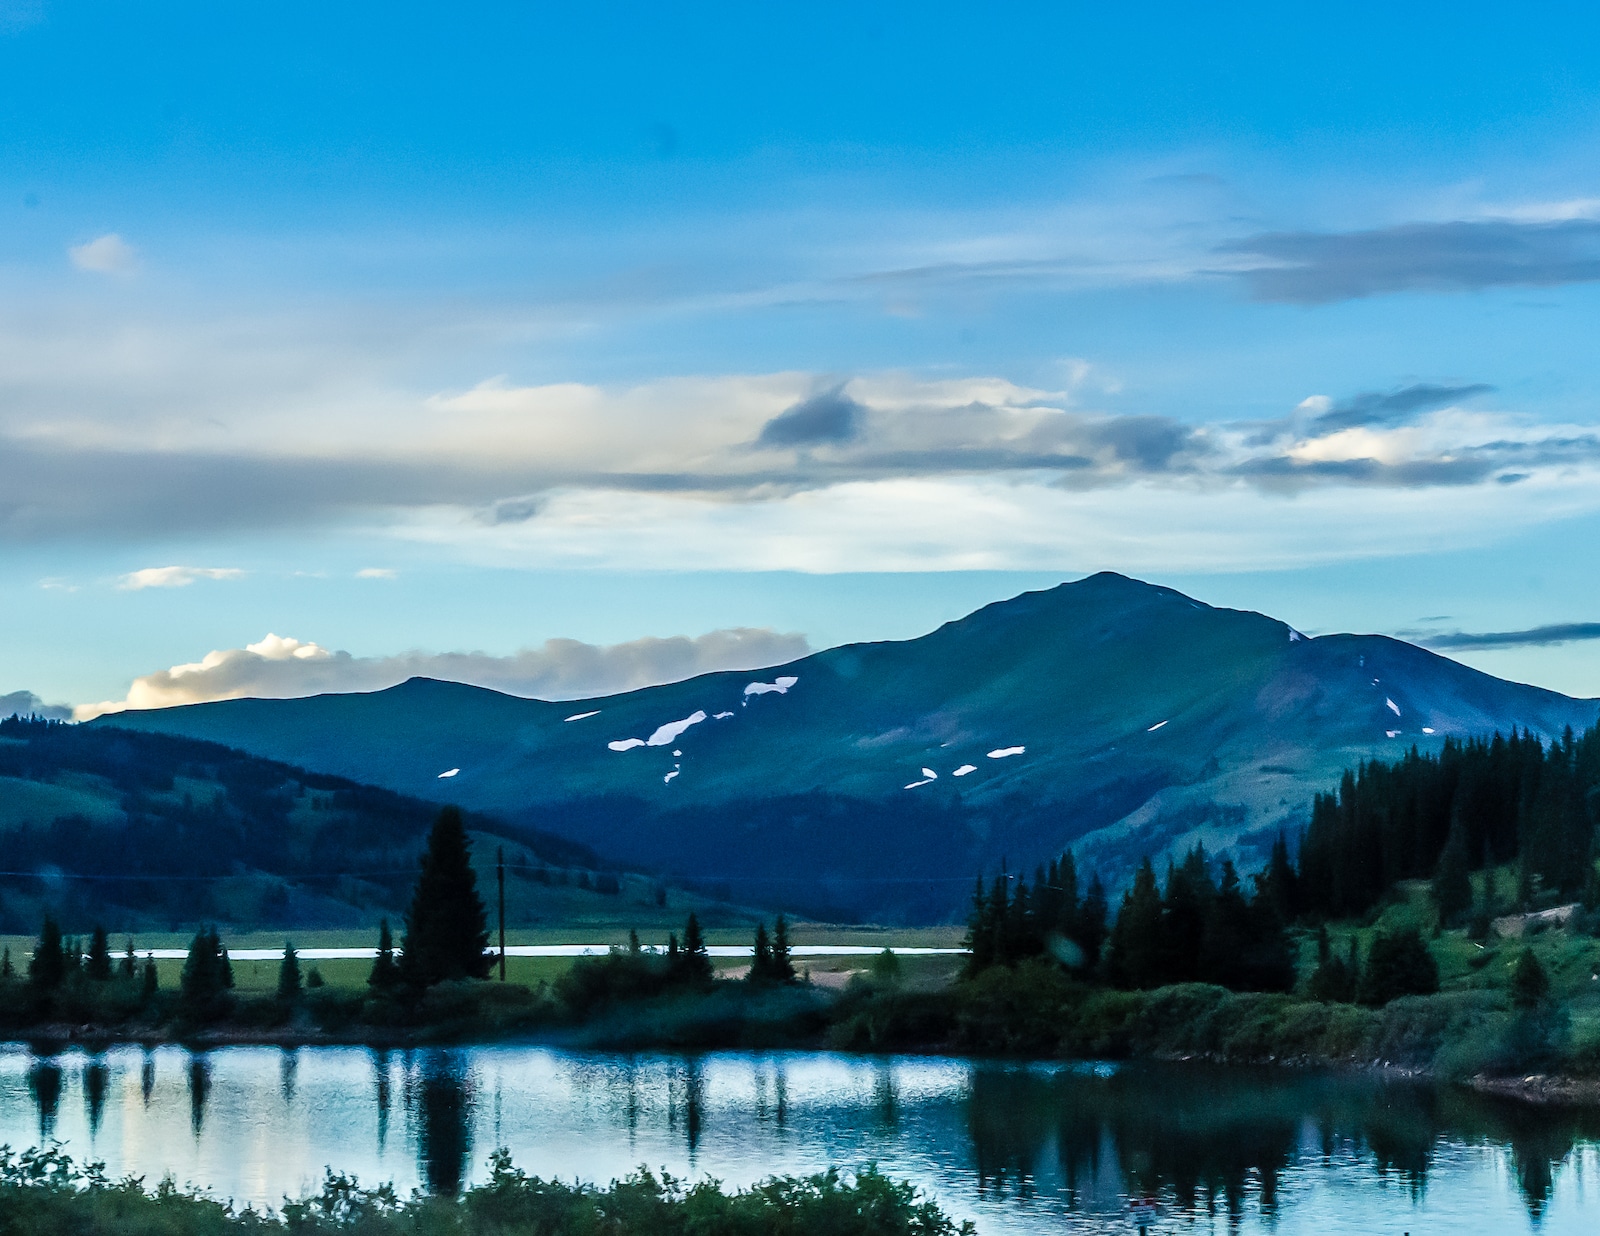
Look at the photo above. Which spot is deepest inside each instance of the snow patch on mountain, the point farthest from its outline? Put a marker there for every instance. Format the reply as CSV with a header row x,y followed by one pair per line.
x,y
666,733
779,686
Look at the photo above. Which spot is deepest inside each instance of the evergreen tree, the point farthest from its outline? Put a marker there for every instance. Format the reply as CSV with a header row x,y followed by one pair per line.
x,y
1398,964
97,965
152,980
1092,917
128,966
207,975
48,965
1185,907
782,962
1530,985
7,970
694,962
1335,980
1068,917
635,948
1452,882
1135,954
761,957
385,970
289,974
1280,884
447,928
979,943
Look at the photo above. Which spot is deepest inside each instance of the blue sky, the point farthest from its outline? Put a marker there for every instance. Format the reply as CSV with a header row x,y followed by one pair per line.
x,y
399,334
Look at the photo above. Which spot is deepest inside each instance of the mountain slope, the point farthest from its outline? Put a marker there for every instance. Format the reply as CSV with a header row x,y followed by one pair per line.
x,y
1136,718
129,830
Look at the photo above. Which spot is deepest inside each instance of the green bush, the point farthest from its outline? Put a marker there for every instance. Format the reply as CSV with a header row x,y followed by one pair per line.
x,y
43,1193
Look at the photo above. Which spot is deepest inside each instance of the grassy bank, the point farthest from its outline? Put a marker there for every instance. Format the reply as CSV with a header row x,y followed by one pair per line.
x,y
45,1194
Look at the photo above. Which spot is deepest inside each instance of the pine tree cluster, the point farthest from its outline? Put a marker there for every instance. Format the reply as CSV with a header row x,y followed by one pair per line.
x,y
1200,929
769,959
1008,924
1398,964
1439,817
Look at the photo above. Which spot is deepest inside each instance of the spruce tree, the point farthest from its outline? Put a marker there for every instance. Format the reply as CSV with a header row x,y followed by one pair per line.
x,y
1452,882
761,957
7,970
1092,918
385,972
782,963
694,962
289,974
1398,964
152,980
97,965
48,965
1530,985
1134,956
979,943
447,928
207,975
128,966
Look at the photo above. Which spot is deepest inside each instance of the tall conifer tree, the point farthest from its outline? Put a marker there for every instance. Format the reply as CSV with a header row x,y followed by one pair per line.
x,y
447,927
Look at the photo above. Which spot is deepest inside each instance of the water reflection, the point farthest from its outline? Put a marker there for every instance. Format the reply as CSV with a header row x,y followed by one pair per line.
x,y
1019,1148
444,1126
199,1089
96,1077
1208,1139
44,1080
381,1064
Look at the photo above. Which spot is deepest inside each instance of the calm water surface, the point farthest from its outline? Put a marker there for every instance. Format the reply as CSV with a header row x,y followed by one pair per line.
x,y
1018,1148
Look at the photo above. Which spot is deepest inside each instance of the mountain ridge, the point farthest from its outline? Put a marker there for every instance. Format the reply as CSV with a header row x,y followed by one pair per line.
x,y
1107,714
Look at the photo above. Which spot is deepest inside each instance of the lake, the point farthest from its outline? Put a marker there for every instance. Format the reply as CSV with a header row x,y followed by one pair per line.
x,y
1019,1148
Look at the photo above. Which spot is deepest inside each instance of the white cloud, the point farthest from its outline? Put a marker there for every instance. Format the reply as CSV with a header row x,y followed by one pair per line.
x,y
105,255
278,667
174,577
377,573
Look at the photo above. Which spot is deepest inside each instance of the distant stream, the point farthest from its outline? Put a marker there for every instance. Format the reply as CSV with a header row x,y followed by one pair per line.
x,y
1019,1148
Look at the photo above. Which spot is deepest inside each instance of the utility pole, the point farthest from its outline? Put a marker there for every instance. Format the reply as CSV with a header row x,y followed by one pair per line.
x,y
500,877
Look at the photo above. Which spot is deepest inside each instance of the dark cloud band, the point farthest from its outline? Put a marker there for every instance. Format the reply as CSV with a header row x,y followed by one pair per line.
x,y
1319,267
1559,633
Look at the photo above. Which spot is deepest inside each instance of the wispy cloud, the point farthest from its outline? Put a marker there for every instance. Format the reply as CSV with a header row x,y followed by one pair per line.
x,y
278,667
377,573
105,255
174,576
1319,267
1556,633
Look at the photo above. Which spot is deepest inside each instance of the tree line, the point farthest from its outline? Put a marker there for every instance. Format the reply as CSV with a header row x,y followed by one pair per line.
x,y
1476,804
1196,928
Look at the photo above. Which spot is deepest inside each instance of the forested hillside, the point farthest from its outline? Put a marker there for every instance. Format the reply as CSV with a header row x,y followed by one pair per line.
x,y
130,829
1481,802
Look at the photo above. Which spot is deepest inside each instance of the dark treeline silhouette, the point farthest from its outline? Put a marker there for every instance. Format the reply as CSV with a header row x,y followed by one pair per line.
x,y
1199,928
1494,801
1012,921
167,810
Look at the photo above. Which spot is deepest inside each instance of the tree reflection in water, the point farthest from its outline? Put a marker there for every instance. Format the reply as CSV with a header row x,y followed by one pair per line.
x,y
442,1095
199,1089
96,1078
1208,1139
380,1077
44,1081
